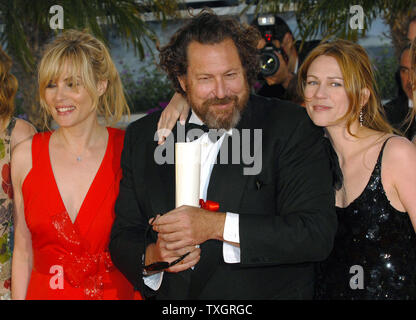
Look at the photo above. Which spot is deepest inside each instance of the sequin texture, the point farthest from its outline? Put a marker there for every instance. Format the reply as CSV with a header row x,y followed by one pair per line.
x,y
377,237
81,269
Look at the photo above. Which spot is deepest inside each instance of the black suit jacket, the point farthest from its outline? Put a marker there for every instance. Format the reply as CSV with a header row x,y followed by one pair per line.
x,y
396,111
287,214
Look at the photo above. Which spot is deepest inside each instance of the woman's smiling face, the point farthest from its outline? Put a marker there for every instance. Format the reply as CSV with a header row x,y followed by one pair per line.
x,y
325,94
68,100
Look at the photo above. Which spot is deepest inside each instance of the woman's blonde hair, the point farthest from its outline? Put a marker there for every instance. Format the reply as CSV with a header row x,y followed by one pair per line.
x,y
358,75
89,60
8,89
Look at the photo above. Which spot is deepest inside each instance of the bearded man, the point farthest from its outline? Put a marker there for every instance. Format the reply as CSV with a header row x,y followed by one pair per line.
x,y
273,222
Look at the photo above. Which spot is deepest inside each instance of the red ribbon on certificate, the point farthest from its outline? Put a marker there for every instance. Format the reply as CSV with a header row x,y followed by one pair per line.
x,y
209,205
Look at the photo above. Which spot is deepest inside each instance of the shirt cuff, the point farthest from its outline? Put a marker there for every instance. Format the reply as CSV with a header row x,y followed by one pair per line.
x,y
154,281
231,233
231,228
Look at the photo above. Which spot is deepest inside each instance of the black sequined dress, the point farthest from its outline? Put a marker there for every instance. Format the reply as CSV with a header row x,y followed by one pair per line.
x,y
374,249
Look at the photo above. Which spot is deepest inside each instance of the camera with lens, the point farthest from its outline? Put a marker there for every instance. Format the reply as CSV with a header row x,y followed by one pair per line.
x,y
269,62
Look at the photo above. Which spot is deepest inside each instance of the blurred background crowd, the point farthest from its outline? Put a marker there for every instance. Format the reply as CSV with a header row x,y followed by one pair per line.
x,y
133,30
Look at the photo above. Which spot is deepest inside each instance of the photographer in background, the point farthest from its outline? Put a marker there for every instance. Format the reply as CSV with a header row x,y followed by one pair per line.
x,y
399,109
281,57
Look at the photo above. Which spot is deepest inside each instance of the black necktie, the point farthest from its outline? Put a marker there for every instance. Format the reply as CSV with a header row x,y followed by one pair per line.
x,y
190,126
195,134
213,134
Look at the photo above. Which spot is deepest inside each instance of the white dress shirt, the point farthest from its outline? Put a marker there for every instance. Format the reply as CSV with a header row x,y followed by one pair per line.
x,y
209,153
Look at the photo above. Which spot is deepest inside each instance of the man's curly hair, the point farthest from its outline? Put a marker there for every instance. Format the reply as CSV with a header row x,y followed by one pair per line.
x,y
209,28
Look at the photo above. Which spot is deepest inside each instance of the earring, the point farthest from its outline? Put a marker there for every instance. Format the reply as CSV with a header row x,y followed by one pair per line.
x,y
361,118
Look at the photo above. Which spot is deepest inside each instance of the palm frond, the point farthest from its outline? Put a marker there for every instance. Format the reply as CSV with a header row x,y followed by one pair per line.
x,y
27,23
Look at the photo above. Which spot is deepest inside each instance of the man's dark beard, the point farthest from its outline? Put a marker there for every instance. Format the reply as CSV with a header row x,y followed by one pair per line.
x,y
216,120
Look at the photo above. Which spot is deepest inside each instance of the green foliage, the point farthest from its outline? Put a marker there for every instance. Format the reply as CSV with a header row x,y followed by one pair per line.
x,y
26,29
331,18
18,105
147,88
386,65
26,23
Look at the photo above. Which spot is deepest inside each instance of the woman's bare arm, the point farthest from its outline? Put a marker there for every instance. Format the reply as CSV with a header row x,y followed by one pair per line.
x,y
177,108
22,253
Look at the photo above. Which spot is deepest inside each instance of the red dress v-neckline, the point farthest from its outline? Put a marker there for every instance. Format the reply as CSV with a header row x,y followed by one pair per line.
x,y
92,184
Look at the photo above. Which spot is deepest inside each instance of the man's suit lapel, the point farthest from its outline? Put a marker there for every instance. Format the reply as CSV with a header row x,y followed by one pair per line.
x,y
227,181
226,187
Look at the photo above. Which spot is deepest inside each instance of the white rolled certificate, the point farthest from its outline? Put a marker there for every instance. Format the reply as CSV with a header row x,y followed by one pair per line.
x,y
188,170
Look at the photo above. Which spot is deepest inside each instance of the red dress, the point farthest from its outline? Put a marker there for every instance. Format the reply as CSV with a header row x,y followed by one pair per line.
x,y
71,260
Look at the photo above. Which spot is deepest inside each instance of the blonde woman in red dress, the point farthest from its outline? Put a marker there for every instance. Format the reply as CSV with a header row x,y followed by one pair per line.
x,y
66,181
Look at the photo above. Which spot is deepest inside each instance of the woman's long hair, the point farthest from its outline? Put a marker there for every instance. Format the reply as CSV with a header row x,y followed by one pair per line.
x,y
8,89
